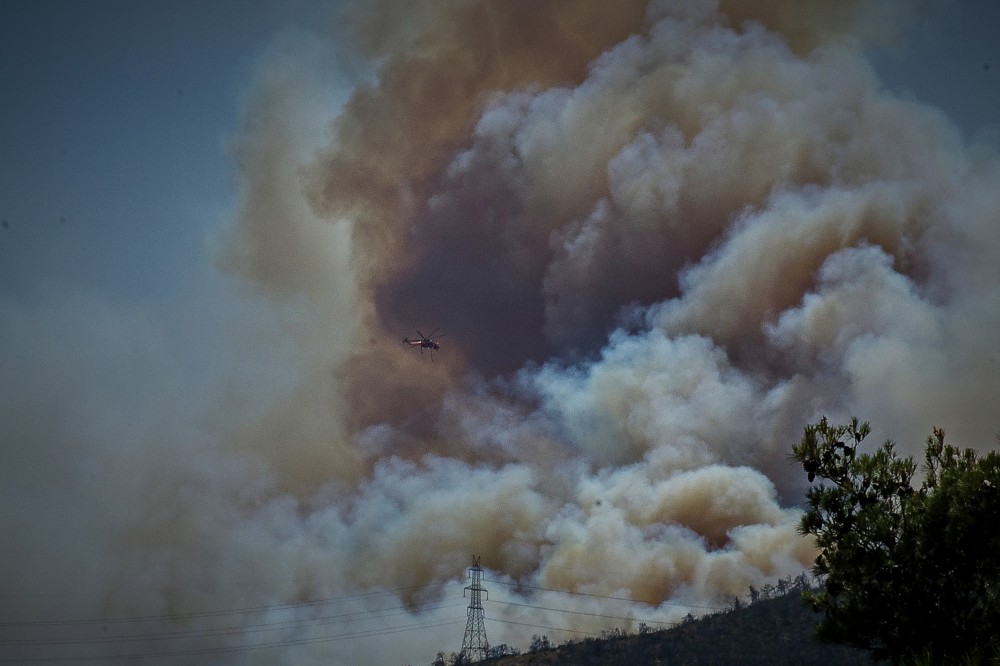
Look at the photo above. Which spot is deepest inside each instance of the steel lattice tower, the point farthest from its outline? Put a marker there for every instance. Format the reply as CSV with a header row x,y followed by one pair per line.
x,y
474,644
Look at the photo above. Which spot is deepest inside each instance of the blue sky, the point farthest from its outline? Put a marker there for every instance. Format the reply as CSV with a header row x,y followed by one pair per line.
x,y
950,61
114,128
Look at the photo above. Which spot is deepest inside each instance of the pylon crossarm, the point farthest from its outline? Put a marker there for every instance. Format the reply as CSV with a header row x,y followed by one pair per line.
x,y
475,646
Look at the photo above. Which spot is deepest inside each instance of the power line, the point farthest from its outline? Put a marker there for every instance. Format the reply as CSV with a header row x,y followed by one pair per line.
x,y
315,602
542,626
238,648
352,616
602,596
572,612
276,625
223,632
215,613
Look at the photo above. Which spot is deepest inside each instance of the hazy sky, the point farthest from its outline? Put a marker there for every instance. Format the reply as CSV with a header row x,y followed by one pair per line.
x,y
115,123
116,118
659,240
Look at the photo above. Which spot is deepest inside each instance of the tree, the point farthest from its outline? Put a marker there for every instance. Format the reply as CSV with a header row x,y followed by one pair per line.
x,y
910,573
539,643
501,650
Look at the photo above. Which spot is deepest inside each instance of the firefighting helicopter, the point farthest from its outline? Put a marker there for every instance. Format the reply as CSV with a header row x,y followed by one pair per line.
x,y
426,341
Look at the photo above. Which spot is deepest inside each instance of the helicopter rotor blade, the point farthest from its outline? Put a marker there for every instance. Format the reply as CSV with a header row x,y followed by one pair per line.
x,y
424,337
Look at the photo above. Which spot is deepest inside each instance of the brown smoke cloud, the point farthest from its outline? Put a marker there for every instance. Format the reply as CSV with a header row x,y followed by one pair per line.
x,y
661,238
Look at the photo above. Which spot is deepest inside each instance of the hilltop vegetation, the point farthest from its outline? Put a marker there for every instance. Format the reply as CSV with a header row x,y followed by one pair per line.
x,y
774,631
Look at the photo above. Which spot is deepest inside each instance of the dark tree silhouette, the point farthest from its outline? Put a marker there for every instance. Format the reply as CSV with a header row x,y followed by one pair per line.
x,y
910,573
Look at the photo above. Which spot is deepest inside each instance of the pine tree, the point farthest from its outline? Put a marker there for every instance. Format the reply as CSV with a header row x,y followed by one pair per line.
x,y
910,573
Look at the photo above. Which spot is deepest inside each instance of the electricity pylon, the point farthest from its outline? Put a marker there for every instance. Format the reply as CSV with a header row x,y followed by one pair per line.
x,y
474,645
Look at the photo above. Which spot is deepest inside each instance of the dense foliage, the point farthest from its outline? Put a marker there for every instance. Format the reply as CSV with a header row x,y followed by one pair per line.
x,y
911,573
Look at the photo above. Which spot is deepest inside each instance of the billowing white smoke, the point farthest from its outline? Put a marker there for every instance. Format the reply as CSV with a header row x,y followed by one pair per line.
x,y
661,240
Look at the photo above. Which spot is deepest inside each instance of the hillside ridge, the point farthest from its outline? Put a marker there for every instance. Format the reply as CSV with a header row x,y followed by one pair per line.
x,y
771,631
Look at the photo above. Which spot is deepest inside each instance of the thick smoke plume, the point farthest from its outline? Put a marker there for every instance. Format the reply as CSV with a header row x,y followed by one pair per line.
x,y
661,237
